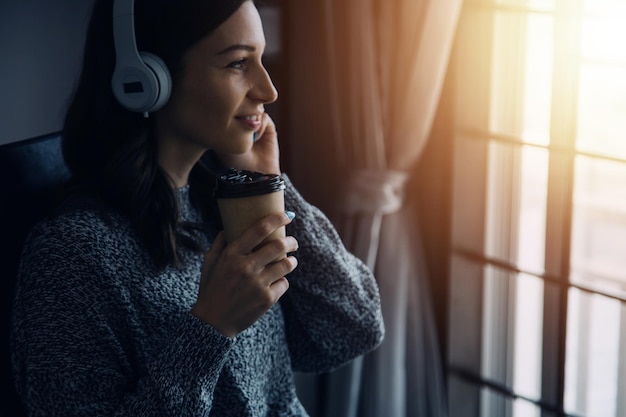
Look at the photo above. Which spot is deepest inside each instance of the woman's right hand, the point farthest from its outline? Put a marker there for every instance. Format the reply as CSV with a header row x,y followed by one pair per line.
x,y
240,281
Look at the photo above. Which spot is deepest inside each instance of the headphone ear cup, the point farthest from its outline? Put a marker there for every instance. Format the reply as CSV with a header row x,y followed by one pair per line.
x,y
143,85
164,80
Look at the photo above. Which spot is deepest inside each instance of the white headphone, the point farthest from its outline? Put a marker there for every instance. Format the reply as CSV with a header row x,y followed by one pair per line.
x,y
141,81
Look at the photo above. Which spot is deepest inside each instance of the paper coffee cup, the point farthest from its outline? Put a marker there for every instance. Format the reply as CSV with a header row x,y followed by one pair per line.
x,y
244,197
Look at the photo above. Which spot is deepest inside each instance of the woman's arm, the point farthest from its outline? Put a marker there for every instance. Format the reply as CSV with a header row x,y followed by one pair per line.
x,y
332,308
74,341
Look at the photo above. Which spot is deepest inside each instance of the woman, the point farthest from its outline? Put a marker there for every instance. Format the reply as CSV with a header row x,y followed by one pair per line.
x,y
129,300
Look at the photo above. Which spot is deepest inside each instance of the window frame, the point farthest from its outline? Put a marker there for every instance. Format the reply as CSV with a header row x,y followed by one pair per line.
x,y
467,296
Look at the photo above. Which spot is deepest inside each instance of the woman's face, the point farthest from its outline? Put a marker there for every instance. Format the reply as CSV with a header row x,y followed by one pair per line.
x,y
217,100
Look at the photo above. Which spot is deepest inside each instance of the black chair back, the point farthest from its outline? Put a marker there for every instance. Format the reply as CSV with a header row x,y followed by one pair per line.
x,y
30,174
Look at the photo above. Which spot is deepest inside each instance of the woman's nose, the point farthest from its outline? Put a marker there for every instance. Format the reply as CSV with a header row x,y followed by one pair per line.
x,y
264,89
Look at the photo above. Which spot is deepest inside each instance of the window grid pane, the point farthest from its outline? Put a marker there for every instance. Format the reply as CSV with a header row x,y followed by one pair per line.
x,y
538,74
599,226
516,207
593,346
601,110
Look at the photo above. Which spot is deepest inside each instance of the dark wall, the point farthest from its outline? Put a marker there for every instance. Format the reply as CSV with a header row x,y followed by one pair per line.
x,y
41,45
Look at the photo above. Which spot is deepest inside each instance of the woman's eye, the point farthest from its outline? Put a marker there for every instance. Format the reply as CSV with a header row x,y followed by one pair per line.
x,y
240,64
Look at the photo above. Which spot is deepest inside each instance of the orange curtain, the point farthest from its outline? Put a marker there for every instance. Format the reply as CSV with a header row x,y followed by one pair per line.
x,y
366,76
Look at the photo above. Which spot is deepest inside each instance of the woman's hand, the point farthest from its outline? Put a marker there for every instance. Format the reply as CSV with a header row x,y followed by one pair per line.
x,y
264,154
239,285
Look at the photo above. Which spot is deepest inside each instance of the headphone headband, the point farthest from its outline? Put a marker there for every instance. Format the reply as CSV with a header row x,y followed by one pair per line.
x,y
124,31
141,81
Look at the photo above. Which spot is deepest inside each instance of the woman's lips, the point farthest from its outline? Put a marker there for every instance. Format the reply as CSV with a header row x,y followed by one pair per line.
x,y
251,121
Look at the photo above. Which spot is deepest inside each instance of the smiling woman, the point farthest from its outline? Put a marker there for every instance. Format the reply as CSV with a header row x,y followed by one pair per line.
x,y
130,301
219,101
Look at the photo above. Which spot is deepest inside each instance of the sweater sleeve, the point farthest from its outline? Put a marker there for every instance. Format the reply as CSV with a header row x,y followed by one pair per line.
x,y
332,308
71,348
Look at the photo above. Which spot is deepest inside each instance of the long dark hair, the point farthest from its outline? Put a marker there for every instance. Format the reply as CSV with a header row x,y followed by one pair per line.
x,y
112,151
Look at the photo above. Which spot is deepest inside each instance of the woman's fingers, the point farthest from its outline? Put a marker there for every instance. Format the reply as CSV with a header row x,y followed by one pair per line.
x,y
263,155
275,249
267,124
260,232
242,280
269,262
279,288
280,269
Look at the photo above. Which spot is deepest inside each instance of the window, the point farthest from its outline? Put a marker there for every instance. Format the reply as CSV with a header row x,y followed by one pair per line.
x,y
537,317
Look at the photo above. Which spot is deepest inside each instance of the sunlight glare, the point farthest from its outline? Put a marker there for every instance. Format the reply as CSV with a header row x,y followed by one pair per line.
x,y
602,80
601,59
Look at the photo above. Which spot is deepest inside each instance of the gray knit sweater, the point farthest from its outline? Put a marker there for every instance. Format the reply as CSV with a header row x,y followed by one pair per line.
x,y
98,332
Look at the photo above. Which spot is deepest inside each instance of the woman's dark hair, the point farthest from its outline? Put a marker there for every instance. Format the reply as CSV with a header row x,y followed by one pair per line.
x,y
111,151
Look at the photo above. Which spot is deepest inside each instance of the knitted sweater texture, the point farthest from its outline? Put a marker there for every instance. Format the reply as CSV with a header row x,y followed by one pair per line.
x,y
97,331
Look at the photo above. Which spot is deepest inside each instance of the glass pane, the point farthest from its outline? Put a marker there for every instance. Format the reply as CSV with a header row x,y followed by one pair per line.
x,y
512,331
533,202
521,81
516,208
593,351
603,37
494,403
525,409
528,336
507,77
601,110
605,7
470,173
532,4
599,225
498,321
538,79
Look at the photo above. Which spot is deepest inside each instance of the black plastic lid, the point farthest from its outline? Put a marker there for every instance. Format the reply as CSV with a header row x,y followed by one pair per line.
x,y
237,184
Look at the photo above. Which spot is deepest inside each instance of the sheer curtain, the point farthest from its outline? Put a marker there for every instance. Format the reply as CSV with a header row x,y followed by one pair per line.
x,y
365,84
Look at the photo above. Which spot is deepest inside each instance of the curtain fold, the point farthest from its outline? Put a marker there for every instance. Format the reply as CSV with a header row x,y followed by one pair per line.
x,y
366,80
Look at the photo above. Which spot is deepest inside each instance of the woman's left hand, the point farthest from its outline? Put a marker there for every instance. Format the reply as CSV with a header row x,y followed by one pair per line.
x,y
263,156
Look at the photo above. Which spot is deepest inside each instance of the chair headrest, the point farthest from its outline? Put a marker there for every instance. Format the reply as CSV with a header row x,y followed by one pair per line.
x,y
33,164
